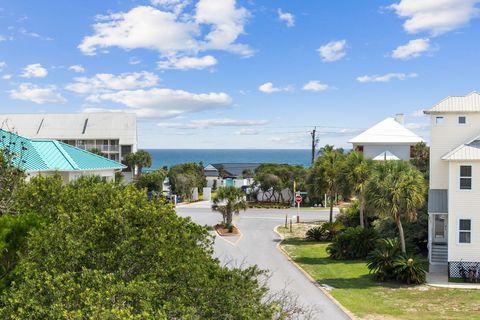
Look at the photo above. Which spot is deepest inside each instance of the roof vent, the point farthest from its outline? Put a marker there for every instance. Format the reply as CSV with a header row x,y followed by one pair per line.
x,y
400,118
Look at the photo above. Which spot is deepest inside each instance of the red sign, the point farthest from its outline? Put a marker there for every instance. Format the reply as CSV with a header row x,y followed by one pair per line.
x,y
298,199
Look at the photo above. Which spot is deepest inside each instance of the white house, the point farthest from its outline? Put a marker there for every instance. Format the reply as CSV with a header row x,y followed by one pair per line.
x,y
114,133
454,195
386,140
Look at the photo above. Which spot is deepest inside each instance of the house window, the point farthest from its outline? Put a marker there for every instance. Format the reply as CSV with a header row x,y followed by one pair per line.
x,y
462,120
439,120
465,177
359,149
465,231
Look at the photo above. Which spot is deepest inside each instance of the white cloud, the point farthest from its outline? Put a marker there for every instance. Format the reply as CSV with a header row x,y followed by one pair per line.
x,y
286,17
248,132
107,82
77,68
316,86
211,25
34,71
3,64
37,94
435,16
386,77
333,51
227,24
207,123
164,103
186,63
413,49
7,77
268,87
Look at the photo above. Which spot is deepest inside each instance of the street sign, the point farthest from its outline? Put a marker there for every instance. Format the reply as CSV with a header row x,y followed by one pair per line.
x,y
298,199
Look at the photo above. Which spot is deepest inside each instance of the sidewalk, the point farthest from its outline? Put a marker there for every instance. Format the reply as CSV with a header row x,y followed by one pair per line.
x,y
438,277
198,204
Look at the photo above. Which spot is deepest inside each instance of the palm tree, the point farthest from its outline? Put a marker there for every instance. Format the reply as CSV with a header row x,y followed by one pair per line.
x,y
139,160
359,170
144,160
397,189
331,164
229,201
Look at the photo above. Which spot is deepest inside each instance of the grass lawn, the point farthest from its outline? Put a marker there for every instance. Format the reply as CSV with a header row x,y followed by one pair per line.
x,y
355,289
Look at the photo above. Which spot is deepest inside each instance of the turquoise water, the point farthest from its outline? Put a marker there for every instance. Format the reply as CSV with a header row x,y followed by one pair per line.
x,y
169,157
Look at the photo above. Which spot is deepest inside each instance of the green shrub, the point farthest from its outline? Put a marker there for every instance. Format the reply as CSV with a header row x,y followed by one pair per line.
x,y
316,234
381,259
352,243
332,229
388,263
409,270
349,216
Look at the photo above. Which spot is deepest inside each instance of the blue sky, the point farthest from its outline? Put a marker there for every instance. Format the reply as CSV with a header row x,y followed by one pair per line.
x,y
239,74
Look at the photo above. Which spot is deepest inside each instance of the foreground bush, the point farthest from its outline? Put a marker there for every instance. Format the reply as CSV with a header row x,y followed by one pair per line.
x,y
109,253
352,243
388,263
316,234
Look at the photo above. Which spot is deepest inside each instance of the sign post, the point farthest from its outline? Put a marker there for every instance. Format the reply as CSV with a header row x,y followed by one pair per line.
x,y
298,200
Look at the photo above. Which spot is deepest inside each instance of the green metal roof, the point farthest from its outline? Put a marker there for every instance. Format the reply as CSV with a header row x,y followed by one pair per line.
x,y
52,155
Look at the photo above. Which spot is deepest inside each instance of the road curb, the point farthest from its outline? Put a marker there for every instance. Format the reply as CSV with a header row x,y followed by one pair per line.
x,y
309,277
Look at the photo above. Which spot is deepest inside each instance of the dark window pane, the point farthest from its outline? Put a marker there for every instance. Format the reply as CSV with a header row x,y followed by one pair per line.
x,y
465,183
465,224
462,120
465,171
464,237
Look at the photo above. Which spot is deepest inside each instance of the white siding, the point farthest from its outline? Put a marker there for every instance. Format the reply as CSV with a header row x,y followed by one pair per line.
x,y
446,137
372,150
463,204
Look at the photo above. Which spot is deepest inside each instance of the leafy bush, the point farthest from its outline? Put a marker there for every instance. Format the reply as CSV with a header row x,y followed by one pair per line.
x,y
152,181
388,263
332,229
352,243
409,271
106,252
316,234
349,216
381,259
325,232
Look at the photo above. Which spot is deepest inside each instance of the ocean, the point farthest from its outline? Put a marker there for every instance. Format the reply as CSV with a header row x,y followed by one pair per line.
x,y
170,157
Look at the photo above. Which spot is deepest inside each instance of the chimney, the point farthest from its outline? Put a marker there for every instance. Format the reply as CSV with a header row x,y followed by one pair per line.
x,y
400,118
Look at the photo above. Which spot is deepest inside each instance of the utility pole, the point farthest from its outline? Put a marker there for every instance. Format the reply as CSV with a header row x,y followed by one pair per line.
x,y
314,143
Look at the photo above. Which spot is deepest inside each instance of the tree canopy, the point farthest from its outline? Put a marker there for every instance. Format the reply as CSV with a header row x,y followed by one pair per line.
x,y
109,253
184,177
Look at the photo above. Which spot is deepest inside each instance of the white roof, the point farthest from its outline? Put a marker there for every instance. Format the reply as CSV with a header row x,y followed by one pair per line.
x,y
468,103
106,125
385,132
386,155
467,151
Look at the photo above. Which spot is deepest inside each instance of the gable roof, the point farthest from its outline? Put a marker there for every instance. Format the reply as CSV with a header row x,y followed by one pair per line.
x,y
468,103
386,155
387,131
467,151
52,155
232,169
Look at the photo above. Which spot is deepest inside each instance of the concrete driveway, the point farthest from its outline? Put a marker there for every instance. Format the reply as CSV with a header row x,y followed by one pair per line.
x,y
258,245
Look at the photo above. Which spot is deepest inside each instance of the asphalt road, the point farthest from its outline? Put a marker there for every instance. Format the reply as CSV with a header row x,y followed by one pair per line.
x,y
258,246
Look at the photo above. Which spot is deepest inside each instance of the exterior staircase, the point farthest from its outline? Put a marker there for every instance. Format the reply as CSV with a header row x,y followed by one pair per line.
x,y
439,253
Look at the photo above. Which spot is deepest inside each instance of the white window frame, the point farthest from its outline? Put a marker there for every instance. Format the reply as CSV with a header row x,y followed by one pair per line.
x,y
458,231
439,117
460,177
458,120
